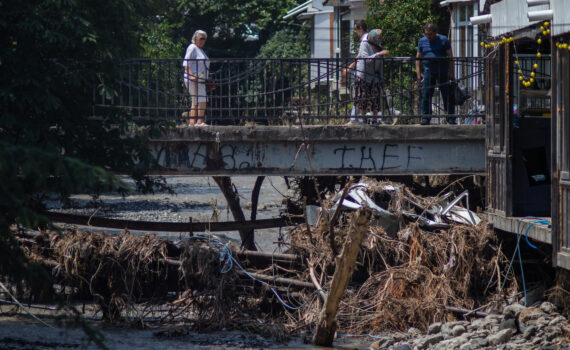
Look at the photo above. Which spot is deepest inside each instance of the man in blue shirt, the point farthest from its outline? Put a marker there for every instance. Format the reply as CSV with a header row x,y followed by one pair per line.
x,y
437,69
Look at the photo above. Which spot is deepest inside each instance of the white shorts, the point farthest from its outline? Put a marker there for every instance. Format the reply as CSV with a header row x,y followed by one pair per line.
x,y
199,95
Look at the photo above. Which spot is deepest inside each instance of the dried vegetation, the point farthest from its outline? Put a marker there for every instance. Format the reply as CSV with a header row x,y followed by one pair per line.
x,y
404,277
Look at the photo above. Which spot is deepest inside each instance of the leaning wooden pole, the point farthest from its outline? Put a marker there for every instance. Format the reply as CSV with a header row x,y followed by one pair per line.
x,y
246,235
345,263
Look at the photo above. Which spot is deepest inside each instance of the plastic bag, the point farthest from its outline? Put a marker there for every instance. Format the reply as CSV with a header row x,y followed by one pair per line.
x,y
460,92
211,85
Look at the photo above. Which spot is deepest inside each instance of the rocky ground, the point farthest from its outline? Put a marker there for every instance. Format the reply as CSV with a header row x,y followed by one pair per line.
x,y
196,197
518,327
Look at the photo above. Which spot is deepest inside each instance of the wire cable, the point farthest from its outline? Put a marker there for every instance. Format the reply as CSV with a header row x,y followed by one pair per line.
x,y
230,261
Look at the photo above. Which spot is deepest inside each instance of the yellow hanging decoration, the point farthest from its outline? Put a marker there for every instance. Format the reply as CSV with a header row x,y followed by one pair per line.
x,y
545,31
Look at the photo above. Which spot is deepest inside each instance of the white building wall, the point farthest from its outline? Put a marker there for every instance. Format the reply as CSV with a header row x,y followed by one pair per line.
x,y
561,17
512,15
322,35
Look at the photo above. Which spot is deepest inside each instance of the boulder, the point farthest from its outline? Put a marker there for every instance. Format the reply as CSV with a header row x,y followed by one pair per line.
x,y
556,320
458,330
529,332
512,311
430,341
434,328
548,307
402,347
500,337
529,316
509,324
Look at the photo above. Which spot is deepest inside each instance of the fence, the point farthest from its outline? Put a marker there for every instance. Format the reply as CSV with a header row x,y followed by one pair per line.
x,y
276,91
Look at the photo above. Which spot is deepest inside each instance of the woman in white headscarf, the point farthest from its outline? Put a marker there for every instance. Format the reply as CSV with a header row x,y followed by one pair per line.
x,y
196,66
368,91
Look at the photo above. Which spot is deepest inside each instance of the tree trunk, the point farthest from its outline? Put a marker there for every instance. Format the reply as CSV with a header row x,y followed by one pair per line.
x,y
345,263
255,196
246,235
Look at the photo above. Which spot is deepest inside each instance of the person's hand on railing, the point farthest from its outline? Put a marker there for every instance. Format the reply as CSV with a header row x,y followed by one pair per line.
x,y
344,76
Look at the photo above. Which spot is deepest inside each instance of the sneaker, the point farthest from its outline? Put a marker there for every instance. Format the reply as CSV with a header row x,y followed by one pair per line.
x,y
425,121
202,124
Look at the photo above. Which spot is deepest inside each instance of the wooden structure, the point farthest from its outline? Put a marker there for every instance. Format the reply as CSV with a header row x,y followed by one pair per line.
x,y
561,145
528,121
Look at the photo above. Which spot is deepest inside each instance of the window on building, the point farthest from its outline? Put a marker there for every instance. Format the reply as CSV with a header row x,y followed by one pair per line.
x,y
463,40
464,44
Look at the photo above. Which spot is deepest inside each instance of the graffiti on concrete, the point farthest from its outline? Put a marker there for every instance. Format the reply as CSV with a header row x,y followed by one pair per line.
x,y
243,156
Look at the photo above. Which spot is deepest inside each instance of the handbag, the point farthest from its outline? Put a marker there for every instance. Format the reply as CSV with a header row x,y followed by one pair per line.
x,y
460,92
211,85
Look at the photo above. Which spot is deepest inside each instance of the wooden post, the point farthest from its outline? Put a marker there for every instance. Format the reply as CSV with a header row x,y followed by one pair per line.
x,y
345,263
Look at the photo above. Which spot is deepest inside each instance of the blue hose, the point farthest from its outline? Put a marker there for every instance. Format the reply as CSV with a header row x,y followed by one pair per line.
x,y
229,261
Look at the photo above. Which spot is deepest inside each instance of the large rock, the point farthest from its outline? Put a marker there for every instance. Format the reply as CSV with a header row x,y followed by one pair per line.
x,y
479,343
483,323
402,347
453,343
509,324
552,332
434,328
428,342
458,330
529,332
500,337
530,316
447,328
556,320
548,307
512,311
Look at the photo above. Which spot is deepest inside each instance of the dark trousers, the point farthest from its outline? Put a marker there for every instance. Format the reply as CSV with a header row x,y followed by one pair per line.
x,y
430,80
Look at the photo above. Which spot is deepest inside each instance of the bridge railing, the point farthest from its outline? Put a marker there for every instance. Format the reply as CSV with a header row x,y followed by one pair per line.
x,y
290,90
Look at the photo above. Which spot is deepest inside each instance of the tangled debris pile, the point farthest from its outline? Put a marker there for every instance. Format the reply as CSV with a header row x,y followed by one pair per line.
x,y
421,257
423,260
131,277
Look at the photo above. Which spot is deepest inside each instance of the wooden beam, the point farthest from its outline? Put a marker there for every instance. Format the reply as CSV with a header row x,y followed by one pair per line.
x,y
345,263
86,220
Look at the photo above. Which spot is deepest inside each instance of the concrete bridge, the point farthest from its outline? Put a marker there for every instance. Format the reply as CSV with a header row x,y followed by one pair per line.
x,y
322,150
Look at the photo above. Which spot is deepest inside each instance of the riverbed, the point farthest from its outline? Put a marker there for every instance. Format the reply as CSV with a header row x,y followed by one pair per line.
x,y
196,198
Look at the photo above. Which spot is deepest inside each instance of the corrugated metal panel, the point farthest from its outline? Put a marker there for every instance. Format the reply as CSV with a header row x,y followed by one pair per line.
x,y
510,16
561,18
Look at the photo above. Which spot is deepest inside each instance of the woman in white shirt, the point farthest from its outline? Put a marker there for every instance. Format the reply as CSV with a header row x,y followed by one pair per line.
x,y
196,66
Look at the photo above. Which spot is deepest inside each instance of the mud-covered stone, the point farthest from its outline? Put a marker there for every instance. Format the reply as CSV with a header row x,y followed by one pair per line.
x,y
500,337
512,311
548,307
434,328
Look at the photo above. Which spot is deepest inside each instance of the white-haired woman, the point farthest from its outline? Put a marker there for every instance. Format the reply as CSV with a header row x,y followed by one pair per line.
x,y
196,66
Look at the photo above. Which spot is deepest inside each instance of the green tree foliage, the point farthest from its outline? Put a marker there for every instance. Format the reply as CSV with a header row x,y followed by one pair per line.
x,y
402,22
227,23
52,55
287,43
